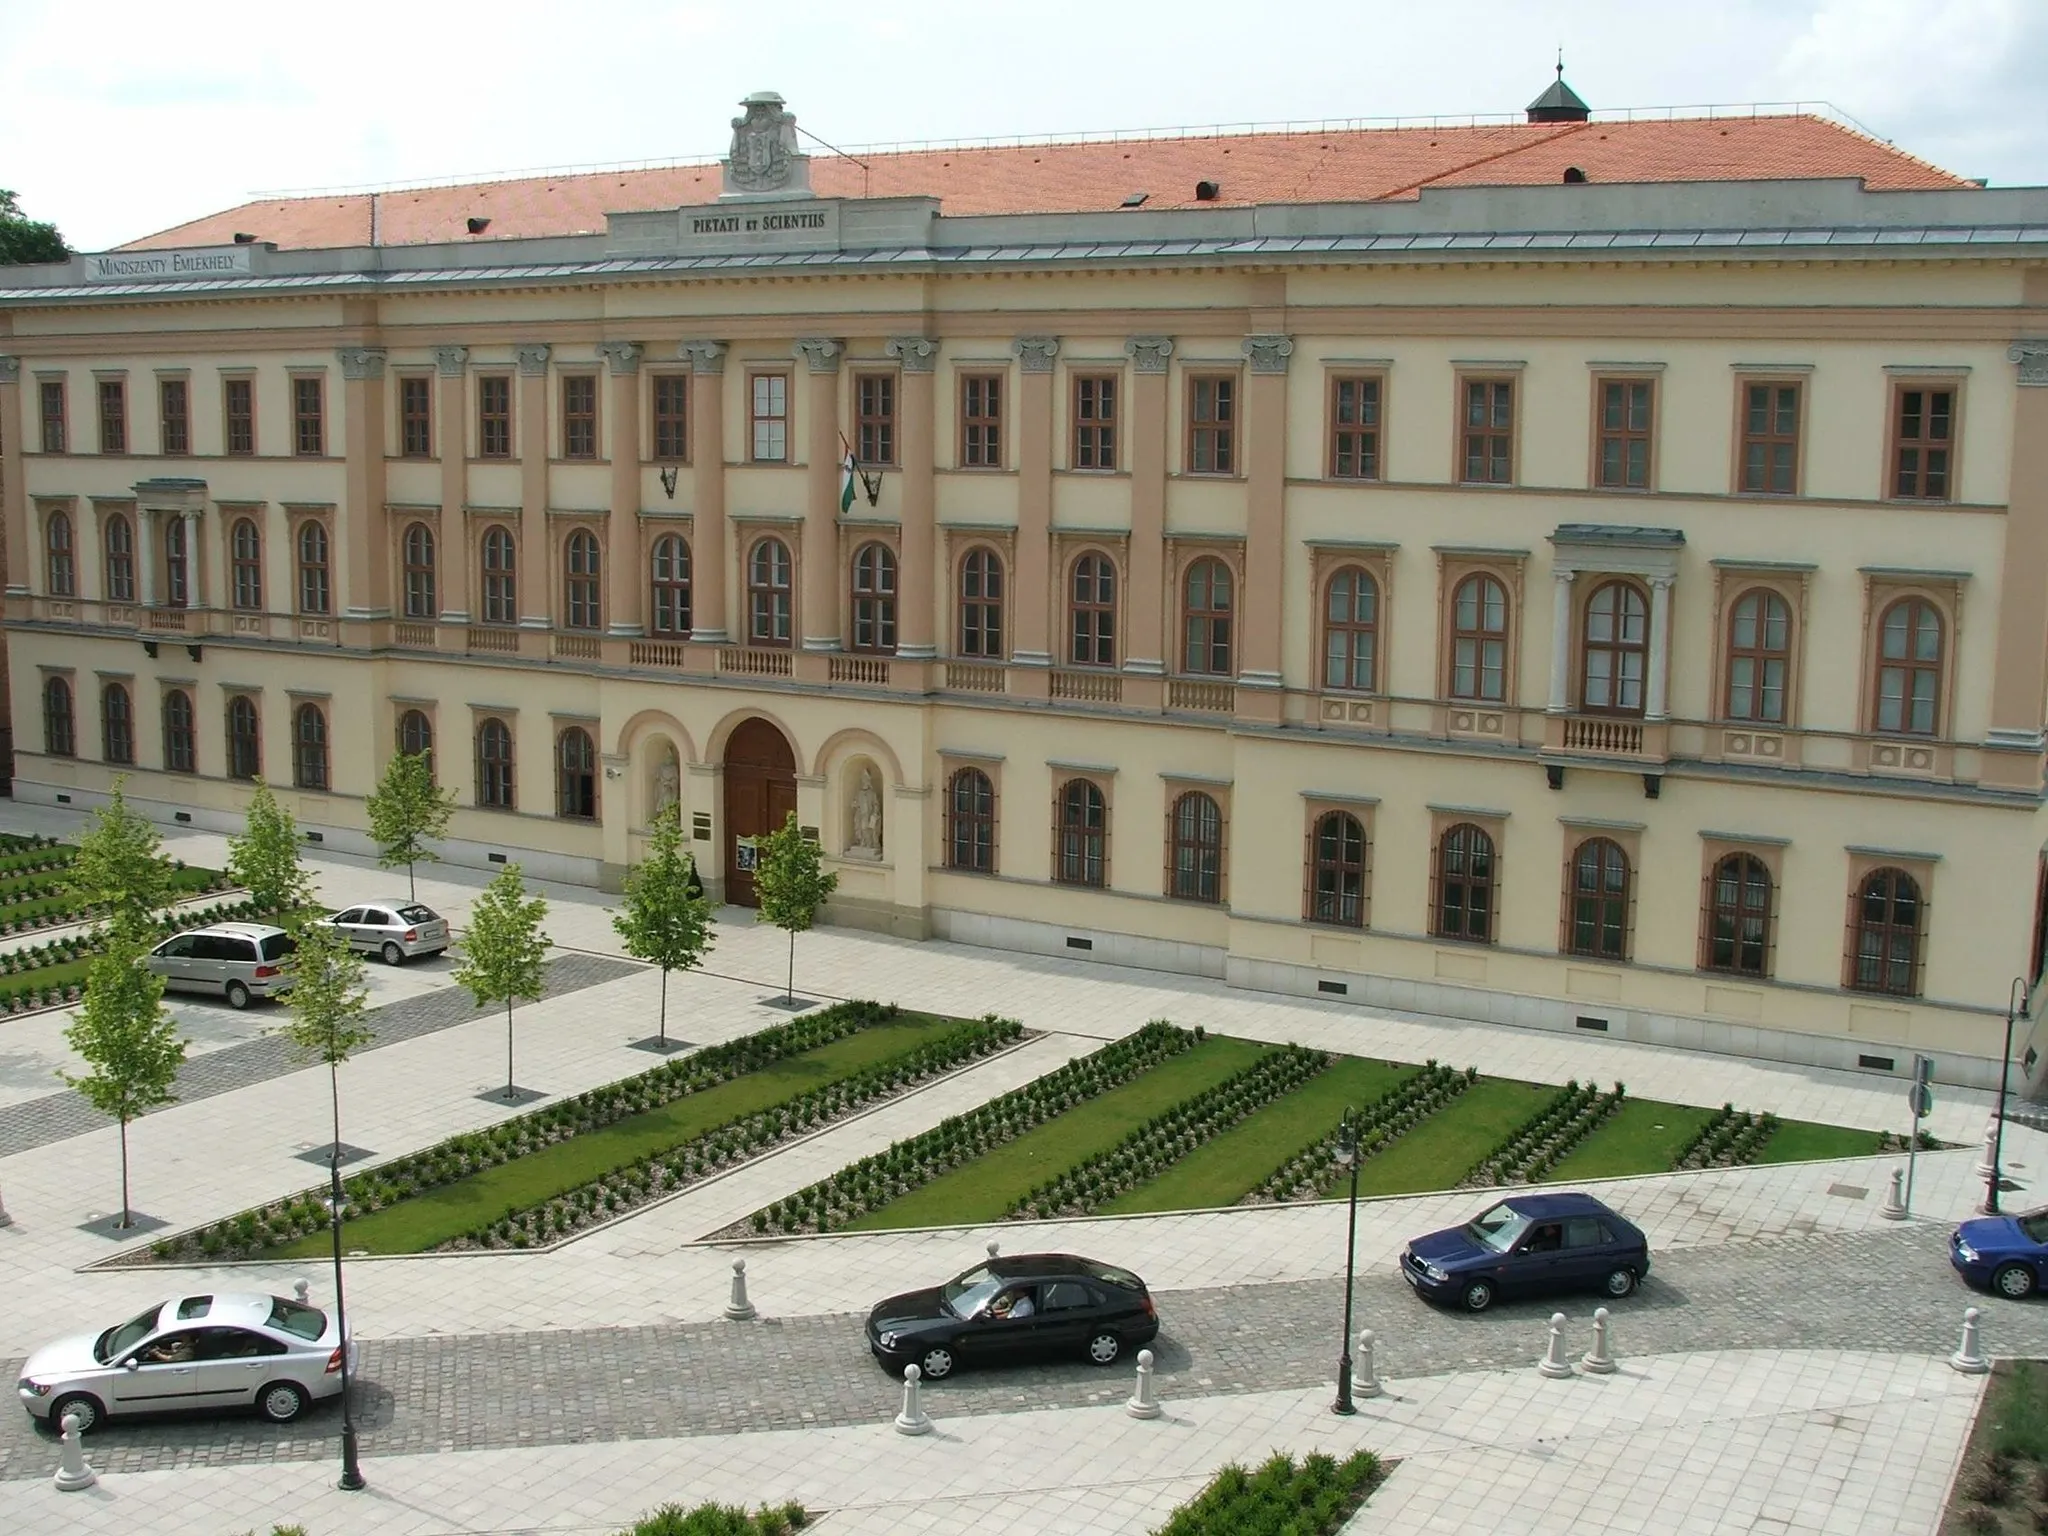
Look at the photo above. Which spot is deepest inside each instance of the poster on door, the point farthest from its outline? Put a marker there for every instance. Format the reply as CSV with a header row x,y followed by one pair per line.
x,y
746,854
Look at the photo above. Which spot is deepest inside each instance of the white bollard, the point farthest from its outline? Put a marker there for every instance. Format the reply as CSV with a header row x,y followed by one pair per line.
x,y
1894,1207
1553,1363
1968,1358
1142,1404
994,1250
302,1289
1365,1381
912,1420
738,1308
5,1219
1599,1360
1990,1145
72,1471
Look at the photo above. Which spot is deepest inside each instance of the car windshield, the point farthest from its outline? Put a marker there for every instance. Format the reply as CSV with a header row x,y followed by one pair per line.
x,y
277,945
291,1317
417,914
2034,1224
1498,1228
116,1342
969,1293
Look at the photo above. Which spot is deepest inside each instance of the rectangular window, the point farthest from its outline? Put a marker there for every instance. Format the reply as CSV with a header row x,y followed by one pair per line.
x,y
309,418
1622,454
52,397
1355,428
1095,421
113,415
981,420
494,417
1770,439
579,416
239,400
1489,432
1923,436
875,418
416,418
672,416
174,415
1212,425
768,414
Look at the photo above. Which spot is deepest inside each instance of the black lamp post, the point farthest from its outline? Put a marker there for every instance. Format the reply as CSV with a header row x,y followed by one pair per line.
x,y
2015,1008
351,1468
1347,1156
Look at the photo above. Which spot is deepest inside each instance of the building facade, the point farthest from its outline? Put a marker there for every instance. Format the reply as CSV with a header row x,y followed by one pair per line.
x,y
1596,585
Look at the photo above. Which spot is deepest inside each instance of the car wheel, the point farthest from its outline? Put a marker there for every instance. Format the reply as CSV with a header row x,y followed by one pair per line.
x,y
1477,1295
1103,1348
1619,1282
238,995
2013,1280
90,1414
281,1402
936,1363
393,955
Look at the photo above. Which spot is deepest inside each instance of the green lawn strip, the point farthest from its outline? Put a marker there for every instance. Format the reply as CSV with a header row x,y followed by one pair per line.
x,y
985,1188
1643,1136
435,1216
1227,1169
1798,1141
64,973
1440,1151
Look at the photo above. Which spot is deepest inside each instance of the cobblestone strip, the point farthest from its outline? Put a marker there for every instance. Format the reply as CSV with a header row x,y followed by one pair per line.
x,y
1889,1291
38,1122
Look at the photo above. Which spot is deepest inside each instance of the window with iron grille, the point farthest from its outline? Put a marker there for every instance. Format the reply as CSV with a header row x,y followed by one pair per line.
x,y
419,573
1479,640
117,724
245,559
1909,668
501,576
981,420
1489,432
309,747
174,417
1195,830
1095,420
1351,630
874,600
1465,874
309,417
1212,424
494,785
579,416
768,594
315,590
575,775
245,738
971,822
1207,590
670,566
416,735
875,418
180,739
238,400
581,579
981,605
1770,439
60,735
672,416
1355,428
415,417
1923,435
1600,883
493,416
1888,920
113,394
1093,609
1336,892
60,562
50,394
1081,828
1739,915
120,559
1623,450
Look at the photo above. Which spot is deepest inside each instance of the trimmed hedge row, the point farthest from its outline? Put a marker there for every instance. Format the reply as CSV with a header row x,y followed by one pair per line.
x,y
1540,1143
1381,1123
1729,1140
32,993
15,920
721,1520
21,842
1164,1140
876,1180
1280,1499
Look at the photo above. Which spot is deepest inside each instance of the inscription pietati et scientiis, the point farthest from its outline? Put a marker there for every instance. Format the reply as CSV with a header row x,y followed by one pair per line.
x,y
755,223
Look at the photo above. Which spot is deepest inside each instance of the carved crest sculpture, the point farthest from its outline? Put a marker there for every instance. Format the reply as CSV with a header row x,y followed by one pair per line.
x,y
764,157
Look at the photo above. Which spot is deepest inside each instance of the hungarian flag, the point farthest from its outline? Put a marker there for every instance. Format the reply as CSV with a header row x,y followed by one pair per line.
x,y
849,472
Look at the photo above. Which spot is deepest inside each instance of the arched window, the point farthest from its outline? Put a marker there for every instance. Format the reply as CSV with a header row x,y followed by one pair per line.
x,y
245,557
315,593
1889,918
1600,900
768,594
60,736
1207,590
580,581
1465,873
1759,652
416,735
120,559
971,822
1336,892
245,738
419,573
494,785
874,600
1196,873
1616,649
501,576
177,564
671,575
1479,640
1083,833
981,605
117,724
60,560
575,775
1909,668
1739,915
1351,621
309,747
181,746
1094,612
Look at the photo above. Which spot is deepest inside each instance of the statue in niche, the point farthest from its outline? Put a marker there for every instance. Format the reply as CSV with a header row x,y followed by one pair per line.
x,y
668,782
867,818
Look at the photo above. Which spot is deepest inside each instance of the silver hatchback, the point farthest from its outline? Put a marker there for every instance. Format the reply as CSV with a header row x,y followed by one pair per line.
x,y
397,931
237,960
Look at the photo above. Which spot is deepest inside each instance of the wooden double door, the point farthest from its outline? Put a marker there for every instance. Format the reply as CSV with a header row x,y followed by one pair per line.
x,y
760,794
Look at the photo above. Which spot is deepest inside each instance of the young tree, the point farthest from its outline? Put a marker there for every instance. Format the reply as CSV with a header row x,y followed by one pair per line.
x,y
791,884
265,858
127,1038
24,240
121,869
504,950
661,920
406,809
328,999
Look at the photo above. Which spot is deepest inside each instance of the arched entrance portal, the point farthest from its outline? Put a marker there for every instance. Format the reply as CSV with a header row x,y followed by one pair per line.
x,y
760,793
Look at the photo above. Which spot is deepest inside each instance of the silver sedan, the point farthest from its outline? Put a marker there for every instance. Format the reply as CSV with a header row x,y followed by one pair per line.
x,y
397,931
227,1350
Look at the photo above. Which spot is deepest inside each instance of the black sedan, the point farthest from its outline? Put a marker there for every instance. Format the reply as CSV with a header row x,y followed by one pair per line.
x,y
1527,1244
1033,1306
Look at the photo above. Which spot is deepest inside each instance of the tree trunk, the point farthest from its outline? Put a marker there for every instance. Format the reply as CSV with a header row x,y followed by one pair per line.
x,y
509,1094
334,1092
664,1005
789,990
412,884
125,1222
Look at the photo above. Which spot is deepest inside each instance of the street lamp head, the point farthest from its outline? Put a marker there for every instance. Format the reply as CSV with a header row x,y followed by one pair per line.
x,y
1347,1142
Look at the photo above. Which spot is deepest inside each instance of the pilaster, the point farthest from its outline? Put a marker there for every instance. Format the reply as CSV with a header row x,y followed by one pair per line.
x,y
708,564
1657,685
2014,742
819,619
625,580
1561,640
363,525
1032,648
451,406
534,608
1145,645
917,612
1265,550
15,560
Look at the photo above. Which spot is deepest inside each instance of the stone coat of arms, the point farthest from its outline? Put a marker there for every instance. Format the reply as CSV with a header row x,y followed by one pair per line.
x,y
764,147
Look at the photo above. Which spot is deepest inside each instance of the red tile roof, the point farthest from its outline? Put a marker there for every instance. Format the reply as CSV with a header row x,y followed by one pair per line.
x,y
1333,166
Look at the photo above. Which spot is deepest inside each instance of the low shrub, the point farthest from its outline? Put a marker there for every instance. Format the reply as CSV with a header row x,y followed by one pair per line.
x,y
1379,1125
721,1520
1546,1137
1313,1499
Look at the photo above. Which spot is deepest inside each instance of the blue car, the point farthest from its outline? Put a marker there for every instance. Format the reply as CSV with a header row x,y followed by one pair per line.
x,y
1525,1245
2009,1254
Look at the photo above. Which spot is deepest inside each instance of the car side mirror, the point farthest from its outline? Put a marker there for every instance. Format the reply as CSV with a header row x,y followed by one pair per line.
x,y
132,1363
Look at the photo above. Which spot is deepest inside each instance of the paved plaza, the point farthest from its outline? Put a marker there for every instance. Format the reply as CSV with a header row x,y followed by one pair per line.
x,y
1783,1370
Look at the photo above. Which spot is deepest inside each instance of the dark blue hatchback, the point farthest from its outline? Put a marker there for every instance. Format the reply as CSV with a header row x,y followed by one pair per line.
x,y
1525,1245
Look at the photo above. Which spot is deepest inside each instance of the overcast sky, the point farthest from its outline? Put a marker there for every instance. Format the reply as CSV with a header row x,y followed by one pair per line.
x,y
123,117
